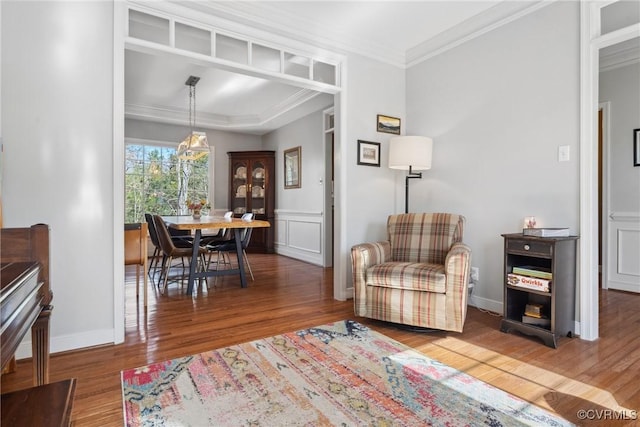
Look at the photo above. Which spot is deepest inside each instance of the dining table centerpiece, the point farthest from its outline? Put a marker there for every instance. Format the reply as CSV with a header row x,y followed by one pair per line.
x,y
197,207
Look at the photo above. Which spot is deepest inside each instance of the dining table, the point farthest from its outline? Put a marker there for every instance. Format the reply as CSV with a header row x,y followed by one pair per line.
x,y
205,222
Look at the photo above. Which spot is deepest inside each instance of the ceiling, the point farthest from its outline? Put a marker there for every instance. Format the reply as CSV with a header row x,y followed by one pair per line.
x,y
396,32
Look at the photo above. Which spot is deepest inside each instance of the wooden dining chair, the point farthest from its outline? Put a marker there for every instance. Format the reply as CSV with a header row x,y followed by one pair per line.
x,y
171,251
135,252
157,251
228,246
180,240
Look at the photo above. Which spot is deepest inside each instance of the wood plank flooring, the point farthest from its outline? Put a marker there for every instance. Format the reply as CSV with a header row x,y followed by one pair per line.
x,y
287,295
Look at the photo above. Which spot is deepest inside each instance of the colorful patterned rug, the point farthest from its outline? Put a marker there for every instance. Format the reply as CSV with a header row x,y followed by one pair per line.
x,y
341,374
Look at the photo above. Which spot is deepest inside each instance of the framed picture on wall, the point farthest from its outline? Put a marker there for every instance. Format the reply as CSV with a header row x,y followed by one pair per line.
x,y
292,167
388,124
636,147
368,153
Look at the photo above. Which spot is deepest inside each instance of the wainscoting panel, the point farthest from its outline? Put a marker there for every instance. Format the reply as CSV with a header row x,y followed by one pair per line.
x,y
305,236
624,252
299,235
280,235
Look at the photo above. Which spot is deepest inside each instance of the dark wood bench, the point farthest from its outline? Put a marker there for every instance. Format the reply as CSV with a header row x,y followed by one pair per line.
x,y
44,405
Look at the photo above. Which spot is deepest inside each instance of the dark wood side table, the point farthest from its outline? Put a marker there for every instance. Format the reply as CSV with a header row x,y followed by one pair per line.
x,y
556,255
44,405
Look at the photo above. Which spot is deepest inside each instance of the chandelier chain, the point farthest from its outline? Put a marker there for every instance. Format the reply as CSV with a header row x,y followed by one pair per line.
x,y
192,104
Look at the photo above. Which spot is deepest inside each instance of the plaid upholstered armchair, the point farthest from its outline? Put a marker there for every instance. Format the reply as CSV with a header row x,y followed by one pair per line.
x,y
419,276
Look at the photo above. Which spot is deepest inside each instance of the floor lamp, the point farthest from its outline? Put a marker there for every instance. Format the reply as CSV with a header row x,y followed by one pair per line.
x,y
410,153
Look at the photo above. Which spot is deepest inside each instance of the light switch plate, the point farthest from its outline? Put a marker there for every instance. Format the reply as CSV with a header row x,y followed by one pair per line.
x,y
563,153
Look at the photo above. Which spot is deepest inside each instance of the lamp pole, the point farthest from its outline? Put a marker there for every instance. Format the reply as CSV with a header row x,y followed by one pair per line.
x,y
406,187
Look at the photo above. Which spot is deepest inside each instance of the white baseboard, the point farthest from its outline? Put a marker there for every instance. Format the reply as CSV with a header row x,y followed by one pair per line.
x,y
346,295
310,257
576,328
69,342
486,304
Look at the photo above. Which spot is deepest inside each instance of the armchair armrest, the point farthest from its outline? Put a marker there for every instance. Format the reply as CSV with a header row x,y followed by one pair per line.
x,y
364,256
457,265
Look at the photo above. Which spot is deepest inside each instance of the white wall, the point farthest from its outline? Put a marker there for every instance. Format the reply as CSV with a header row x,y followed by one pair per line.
x,y
221,141
307,133
498,107
621,88
371,194
299,218
57,102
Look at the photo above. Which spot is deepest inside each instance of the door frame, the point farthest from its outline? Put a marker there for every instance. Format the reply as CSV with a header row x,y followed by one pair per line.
x,y
339,237
591,41
328,148
606,180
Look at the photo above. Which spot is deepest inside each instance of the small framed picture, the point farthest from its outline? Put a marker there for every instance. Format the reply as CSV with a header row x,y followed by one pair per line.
x,y
292,167
368,153
388,124
636,147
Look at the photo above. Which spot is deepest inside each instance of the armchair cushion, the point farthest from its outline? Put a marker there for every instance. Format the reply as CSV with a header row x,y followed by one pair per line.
x,y
408,275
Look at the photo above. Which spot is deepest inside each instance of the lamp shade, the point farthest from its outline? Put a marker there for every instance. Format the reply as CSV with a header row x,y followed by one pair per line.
x,y
194,146
410,151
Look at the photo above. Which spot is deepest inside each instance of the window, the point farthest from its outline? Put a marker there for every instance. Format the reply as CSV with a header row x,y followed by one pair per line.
x,y
157,182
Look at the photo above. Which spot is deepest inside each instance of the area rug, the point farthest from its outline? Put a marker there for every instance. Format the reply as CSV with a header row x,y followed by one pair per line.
x,y
340,374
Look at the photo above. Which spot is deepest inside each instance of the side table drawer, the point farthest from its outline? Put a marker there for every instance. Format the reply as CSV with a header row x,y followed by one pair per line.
x,y
529,247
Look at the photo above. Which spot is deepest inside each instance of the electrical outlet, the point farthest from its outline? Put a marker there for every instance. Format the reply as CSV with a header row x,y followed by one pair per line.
x,y
475,274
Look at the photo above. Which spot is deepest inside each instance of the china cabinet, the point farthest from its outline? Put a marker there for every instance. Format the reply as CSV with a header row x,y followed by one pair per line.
x,y
252,189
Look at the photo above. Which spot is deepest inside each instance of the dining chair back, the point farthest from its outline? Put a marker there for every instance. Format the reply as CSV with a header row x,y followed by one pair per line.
x,y
157,251
247,236
227,246
223,235
170,250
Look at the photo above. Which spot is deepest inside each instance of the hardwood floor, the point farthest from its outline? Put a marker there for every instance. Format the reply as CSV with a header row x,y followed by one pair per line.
x,y
289,295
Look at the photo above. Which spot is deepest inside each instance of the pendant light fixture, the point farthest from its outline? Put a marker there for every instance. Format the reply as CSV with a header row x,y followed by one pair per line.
x,y
195,145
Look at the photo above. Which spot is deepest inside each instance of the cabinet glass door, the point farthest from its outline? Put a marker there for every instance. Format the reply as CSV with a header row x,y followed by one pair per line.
x,y
258,180
239,187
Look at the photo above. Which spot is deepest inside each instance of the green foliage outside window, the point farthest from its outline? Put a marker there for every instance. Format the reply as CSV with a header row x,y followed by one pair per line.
x,y
157,182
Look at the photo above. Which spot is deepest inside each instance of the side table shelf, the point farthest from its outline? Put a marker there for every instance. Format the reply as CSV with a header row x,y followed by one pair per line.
x,y
556,257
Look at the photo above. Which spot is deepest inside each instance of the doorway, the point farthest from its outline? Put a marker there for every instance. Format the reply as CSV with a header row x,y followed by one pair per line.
x,y
329,200
619,207
591,42
120,46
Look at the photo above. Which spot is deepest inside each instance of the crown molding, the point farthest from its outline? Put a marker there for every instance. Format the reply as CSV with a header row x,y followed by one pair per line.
x,y
295,28
482,23
220,121
618,58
